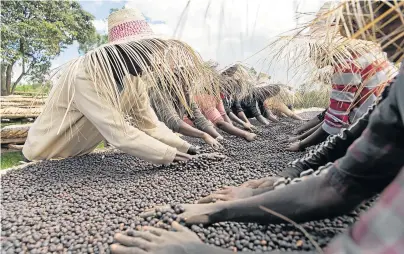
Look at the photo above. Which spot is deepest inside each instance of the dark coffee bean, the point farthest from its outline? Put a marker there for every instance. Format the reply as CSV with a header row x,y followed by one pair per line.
x,y
76,205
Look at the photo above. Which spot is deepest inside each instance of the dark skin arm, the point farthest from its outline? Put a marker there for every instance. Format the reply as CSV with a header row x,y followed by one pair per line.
x,y
213,132
227,119
237,120
242,116
310,124
315,138
270,116
308,133
159,241
188,130
262,119
233,130
312,199
304,135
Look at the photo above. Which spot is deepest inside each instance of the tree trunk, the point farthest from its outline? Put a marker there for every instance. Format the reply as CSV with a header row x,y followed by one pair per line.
x,y
3,79
9,74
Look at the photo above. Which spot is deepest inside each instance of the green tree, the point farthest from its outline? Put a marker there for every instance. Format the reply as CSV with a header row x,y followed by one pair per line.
x,y
96,39
35,32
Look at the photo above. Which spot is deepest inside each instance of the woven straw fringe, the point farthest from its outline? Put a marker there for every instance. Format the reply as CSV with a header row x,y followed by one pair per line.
x,y
174,68
237,82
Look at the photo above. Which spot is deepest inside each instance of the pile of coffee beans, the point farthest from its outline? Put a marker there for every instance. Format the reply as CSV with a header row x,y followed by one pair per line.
x,y
76,205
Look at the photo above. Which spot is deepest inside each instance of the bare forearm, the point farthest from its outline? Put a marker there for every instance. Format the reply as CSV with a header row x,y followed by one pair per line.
x,y
242,116
312,199
308,133
188,130
211,131
262,119
315,138
231,129
310,124
201,248
227,119
235,119
271,116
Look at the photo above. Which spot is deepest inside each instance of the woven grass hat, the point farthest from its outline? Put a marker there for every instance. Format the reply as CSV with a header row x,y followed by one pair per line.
x,y
237,82
378,21
264,89
163,63
311,57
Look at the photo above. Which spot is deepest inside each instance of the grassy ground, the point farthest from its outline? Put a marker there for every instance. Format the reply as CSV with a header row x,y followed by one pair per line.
x,y
310,99
32,88
12,159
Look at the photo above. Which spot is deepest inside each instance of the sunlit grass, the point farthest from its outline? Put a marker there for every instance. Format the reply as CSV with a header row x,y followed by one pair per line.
x,y
11,159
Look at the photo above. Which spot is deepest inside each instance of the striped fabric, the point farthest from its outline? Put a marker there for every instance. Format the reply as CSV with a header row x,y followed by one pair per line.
x,y
354,89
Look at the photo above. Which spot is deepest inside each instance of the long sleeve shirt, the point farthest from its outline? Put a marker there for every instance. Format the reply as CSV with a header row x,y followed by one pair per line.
x,y
354,89
71,128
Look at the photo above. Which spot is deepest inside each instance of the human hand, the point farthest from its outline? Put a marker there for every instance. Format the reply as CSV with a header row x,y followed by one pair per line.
x,y
214,143
247,126
193,213
250,137
260,183
219,138
227,194
155,241
295,147
182,157
290,140
297,132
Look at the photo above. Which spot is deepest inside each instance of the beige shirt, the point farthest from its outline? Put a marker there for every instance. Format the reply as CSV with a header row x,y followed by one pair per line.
x,y
74,127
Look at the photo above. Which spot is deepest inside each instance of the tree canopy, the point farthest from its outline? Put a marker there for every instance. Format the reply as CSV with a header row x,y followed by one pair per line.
x,y
35,32
95,39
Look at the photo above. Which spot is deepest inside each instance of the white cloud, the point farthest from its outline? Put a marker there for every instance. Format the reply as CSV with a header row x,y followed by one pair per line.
x,y
101,26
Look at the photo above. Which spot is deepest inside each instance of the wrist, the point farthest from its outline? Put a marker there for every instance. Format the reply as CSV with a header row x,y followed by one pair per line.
x,y
221,212
204,135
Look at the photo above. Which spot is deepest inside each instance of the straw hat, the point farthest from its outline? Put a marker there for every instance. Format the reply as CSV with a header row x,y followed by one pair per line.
x,y
264,89
237,82
128,25
168,66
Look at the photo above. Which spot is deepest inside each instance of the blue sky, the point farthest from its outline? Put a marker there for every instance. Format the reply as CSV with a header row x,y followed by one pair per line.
x,y
100,10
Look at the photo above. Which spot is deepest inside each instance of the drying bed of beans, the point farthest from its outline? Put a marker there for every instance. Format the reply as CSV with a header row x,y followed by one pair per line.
x,y
76,205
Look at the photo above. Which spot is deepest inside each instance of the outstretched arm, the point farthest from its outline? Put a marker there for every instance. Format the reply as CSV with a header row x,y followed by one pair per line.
x,y
269,115
313,199
155,240
308,133
262,119
310,124
243,117
315,138
110,123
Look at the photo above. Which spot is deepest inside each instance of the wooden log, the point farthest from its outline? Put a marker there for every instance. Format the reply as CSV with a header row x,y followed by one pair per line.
x,y
20,105
16,113
15,147
13,141
15,131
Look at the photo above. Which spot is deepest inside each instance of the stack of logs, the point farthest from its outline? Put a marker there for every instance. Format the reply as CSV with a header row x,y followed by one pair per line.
x,y
21,109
